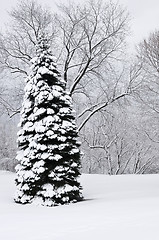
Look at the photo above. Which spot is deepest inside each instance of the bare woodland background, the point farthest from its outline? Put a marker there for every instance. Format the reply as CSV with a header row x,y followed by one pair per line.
x,y
115,93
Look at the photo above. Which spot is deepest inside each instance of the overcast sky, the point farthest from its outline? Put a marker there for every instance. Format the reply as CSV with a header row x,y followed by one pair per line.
x,y
144,15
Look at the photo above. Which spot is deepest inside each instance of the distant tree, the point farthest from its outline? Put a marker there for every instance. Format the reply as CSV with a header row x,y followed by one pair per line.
x,y
148,93
148,53
116,143
49,152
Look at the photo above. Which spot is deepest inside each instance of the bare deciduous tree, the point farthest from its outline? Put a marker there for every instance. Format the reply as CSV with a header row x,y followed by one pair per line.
x,y
148,55
90,37
93,34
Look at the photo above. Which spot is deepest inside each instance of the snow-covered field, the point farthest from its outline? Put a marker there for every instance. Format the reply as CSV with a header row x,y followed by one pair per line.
x,y
118,207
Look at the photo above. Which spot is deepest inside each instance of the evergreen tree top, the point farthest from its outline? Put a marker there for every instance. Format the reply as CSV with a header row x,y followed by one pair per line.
x,y
45,63
42,44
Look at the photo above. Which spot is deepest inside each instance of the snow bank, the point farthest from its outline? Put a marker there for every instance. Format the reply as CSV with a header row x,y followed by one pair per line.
x,y
117,207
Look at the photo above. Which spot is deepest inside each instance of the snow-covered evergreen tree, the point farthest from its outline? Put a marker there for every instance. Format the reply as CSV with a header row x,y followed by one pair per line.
x,y
49,155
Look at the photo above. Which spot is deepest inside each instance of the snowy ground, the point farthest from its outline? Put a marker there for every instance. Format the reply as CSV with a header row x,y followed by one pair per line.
x,y
118,207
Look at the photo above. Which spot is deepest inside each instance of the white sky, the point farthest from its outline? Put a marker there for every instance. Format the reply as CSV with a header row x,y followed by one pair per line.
x,y
144,15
